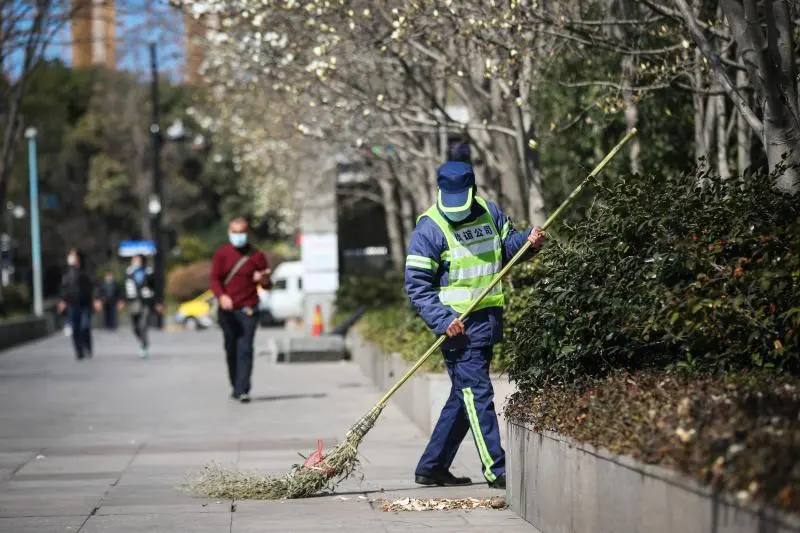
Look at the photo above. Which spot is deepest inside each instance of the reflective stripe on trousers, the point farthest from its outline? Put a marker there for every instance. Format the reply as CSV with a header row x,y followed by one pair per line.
x,y
470,407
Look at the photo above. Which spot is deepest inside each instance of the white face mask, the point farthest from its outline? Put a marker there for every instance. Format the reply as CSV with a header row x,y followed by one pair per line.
x,y
72,260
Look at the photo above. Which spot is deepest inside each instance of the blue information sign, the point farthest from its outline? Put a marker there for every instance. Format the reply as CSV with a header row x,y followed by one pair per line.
x,y
131,248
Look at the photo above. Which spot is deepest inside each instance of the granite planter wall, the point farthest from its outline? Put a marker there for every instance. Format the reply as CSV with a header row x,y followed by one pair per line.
x,y
561,486
20,330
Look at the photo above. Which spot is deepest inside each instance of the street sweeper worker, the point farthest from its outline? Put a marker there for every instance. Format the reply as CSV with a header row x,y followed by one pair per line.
x,y
457,248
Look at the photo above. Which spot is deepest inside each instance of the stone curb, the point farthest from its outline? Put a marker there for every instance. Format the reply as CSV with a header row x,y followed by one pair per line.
x,y
559,485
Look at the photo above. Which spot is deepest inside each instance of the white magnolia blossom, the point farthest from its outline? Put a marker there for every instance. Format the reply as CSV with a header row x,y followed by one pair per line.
x,y
287,76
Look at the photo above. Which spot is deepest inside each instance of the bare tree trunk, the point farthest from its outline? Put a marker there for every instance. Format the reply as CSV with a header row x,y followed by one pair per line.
x,y
441,99
743,132
773,71
700,145
631,113
396,245
782,142
407,216
429,162
722,138
708,127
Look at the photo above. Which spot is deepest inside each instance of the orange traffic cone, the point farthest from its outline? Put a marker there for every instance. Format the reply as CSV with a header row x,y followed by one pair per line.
x,y
316,322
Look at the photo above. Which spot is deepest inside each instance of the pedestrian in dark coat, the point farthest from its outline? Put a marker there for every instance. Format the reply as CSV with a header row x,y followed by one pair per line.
x,y
77,298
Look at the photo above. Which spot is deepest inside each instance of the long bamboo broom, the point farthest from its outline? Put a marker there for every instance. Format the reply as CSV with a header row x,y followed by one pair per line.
x,y
322,471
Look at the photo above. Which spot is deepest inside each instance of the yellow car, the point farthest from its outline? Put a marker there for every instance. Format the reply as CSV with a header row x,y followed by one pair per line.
x,y
198,312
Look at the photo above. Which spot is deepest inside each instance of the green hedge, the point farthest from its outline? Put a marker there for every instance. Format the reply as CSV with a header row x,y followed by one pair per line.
x,y
16,299
370,291
692,272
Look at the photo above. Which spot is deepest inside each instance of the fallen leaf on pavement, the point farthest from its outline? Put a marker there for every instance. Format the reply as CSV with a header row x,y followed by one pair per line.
x,y
441,504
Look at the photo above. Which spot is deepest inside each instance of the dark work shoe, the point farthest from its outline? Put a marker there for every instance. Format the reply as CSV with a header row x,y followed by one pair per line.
x,y
442,479
498,483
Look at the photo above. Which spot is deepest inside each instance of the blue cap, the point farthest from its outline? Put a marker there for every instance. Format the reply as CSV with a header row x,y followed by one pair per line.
x,y
456,181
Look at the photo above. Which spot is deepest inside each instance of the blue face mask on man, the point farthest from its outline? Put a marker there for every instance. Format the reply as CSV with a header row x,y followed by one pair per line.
x,y
458,216
238,240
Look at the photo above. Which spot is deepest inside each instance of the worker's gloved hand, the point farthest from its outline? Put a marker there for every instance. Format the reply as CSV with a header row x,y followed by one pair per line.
x,y
537,237
456,327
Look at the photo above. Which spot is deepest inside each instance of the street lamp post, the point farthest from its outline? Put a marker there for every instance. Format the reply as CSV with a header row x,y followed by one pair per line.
x,y
155,205
36,248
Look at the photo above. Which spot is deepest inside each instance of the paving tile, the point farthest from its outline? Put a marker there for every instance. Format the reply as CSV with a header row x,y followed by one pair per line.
x,y
76,464
185,458
125,458
39,524
64,484
14,460
153,495
167,523
51,502
199,506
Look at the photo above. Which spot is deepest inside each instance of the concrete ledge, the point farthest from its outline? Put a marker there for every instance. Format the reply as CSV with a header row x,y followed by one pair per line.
x,y
562,486
303,349
313,349
423,396
20,330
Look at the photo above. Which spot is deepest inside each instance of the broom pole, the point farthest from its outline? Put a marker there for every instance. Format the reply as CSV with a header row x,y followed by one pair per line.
x,y
566,203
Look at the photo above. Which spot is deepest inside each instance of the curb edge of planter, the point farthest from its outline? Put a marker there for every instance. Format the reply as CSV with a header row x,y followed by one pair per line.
x,y
558,484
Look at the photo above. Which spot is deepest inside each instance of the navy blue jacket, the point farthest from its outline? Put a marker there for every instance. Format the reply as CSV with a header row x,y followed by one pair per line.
x,y
483,327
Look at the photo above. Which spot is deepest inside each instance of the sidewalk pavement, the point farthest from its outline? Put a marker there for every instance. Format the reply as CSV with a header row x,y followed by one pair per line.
x,y
103,445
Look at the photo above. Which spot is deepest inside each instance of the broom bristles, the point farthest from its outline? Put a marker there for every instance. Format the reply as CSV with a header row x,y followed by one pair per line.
x,y
215,481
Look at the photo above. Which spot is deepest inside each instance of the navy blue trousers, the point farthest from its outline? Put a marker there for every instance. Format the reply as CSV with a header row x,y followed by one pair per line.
x,y
239,330
470,406
80,319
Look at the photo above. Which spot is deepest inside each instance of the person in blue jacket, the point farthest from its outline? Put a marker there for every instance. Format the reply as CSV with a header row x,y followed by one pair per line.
x,y
457,248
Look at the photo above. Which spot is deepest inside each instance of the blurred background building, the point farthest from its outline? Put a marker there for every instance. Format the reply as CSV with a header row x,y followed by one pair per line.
x,y
93,28
116,33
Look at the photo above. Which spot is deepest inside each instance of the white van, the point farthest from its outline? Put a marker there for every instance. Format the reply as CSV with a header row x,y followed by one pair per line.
x,y
285,299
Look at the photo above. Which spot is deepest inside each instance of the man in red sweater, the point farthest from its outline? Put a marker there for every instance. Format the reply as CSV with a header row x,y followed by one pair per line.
x,y
237,270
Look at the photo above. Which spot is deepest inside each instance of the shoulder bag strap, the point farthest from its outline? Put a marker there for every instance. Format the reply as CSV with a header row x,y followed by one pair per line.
x,y
236,268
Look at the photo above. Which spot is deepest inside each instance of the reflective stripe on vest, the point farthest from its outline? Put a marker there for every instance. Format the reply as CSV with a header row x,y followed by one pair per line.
x,y
475,253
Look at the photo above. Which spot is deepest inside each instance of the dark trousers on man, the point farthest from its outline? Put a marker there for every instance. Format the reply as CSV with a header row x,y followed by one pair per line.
x,y
239,329
470,406
141,324
80,320
110,315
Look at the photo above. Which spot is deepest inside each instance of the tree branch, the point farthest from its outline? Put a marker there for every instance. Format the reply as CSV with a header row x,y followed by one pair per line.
x,y
716,67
